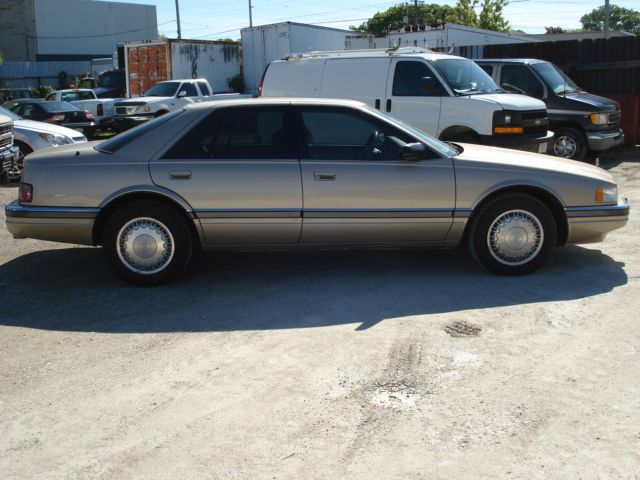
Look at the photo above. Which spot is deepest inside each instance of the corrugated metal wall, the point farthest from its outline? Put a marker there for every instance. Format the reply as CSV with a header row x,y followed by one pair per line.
x,y
34,74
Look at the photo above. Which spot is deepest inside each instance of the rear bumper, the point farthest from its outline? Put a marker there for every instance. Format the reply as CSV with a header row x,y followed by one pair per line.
x,y
55,224
599,141
591,224
519,142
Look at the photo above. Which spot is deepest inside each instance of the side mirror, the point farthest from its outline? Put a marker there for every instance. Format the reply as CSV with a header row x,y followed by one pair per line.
x,y
427,86
182,93
413,151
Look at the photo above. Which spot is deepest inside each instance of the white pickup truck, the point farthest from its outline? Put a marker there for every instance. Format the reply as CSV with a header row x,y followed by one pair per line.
x,y
103,109
165,97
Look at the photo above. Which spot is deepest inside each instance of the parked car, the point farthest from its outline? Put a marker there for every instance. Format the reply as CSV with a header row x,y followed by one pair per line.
x,y
110,84
580,120
445,96
58,113
8,151
7,94
164,97
103,109
30,136
305,173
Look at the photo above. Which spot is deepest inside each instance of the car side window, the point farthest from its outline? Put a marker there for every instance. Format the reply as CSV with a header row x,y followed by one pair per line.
x,y
190,88
342,134
407,80
488,69
86,96
27,110
51,96
237,133
204,89
519,79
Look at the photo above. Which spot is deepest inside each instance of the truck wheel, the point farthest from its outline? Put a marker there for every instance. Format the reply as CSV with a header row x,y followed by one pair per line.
x,y
513,234
147,243
569,143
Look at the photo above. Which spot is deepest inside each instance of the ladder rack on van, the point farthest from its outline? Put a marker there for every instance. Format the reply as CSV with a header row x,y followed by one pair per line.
x,y
379,52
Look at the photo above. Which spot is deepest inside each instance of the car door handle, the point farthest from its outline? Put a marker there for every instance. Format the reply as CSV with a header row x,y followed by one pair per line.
x,y
180,174
324,176
377,104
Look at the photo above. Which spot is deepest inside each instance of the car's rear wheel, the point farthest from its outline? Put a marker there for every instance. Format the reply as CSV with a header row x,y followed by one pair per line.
x,y
147,242
513,234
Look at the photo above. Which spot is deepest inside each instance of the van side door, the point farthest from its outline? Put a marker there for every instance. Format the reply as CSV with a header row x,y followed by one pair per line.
x,y
412,99
363,79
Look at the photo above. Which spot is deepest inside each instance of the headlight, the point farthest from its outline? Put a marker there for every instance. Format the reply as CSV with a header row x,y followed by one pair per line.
x,y
506,122
54,139
599,118
607,194
143,109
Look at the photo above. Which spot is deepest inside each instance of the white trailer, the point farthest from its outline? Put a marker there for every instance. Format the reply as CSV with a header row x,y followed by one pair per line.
x,y
261,45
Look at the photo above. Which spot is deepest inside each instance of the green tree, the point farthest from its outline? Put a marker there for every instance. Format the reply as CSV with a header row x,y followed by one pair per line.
x,y
462,13
620,18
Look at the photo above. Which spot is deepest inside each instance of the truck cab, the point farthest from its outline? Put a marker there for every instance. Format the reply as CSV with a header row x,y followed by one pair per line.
x,y
580,120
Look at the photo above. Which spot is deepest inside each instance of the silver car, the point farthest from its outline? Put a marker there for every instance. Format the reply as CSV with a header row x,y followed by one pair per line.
x,y
290,173
29,136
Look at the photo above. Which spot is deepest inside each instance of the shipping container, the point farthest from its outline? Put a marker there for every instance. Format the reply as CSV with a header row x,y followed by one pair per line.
x,y
147,63
261,45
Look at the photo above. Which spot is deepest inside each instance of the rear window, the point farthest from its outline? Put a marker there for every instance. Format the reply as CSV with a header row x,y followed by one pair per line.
x,y
121,140
52,107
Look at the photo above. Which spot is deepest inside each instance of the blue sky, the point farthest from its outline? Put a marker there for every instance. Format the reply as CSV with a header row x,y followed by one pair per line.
x,y
211,19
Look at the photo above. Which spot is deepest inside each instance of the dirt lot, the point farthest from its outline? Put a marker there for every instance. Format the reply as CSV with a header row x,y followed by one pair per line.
x,y
323,365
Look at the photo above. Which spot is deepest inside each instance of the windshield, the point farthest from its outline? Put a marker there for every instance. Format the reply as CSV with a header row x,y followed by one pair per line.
x,y
465,77
435,144
555,79
165,89
10,114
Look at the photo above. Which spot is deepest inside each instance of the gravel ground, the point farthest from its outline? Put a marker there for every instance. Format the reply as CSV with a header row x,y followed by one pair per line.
x,y
323,365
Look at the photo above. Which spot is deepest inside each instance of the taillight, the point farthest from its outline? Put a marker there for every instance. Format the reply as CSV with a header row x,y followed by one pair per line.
x,y
89,115
58,117
100,110
25,193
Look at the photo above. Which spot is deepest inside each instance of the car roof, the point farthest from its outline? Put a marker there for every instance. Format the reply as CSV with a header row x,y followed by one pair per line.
x,y
275,101
510,60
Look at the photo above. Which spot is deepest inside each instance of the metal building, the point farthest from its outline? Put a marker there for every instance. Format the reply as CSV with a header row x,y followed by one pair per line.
x,y
71,30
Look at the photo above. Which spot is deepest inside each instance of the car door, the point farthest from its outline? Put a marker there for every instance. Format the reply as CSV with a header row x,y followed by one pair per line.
x,y
356,187
239,171
406,98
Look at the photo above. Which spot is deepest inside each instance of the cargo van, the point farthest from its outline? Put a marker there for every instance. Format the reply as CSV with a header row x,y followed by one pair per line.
x,y
449,97
580,120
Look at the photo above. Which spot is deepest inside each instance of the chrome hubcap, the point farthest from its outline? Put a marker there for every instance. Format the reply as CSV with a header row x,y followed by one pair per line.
x,y
145,245
565,146
515,237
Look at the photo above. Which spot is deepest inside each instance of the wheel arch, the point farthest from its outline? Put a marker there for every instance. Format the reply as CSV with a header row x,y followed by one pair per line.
x,y
113,203
454,130
545,196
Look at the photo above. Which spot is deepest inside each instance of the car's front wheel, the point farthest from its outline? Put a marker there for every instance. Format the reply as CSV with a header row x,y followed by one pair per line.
x,y
513,234
147,242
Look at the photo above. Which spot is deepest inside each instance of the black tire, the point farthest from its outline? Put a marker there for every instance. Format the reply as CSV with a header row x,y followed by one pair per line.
x,y
569,143
16,172
530,234
163,237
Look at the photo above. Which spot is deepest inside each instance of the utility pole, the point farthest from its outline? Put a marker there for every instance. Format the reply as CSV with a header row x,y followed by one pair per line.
x,y
606,19
250,18
178,19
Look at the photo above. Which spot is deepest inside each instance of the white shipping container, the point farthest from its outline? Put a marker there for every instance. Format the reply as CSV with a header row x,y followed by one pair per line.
x,y
261,45
147,63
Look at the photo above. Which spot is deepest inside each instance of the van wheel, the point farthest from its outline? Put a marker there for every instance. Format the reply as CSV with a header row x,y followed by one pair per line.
x,y
147,243
569,143
513,234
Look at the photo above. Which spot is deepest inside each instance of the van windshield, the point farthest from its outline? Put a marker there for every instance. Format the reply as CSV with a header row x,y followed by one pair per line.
x,y
555,79
466,77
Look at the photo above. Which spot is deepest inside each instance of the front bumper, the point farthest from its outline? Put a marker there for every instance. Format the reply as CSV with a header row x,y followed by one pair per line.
x,y
527,143
55,224
591,224
8,158
122,122
599,141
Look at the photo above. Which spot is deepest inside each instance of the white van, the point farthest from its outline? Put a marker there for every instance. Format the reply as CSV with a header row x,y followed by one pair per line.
x,y
449,97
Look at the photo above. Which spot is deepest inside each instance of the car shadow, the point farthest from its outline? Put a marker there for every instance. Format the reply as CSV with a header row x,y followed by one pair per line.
x,y
73,290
